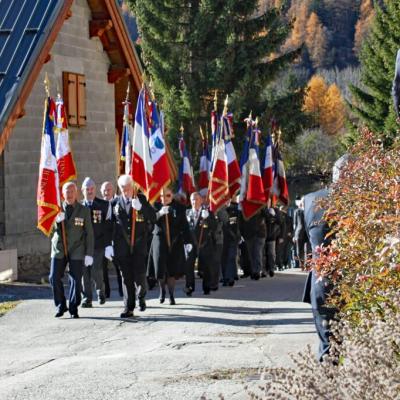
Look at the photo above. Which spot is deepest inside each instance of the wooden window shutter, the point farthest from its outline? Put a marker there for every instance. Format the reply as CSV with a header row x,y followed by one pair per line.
x,y
70,97
81,88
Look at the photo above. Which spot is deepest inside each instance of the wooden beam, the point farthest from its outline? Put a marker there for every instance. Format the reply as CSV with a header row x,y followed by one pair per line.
x,y
117,72
47,59
98,27
68,15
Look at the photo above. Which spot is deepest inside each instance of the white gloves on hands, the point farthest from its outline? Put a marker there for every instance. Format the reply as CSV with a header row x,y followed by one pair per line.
x,y
109,253
136,204
164,210
88,261
188,247
205,214
271,211
60,217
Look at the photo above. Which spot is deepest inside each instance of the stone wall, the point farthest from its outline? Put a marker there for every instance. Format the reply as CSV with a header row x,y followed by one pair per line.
x,y
93,146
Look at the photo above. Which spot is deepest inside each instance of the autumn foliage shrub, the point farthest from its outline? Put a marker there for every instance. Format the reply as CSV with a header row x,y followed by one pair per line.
x,y
364,213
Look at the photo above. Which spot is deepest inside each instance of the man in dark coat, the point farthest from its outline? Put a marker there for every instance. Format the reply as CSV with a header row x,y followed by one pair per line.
x,y
131,259
231,239
273,227
75,219
317,288
107,192
300,239
202,225
168,253
102,227
254,232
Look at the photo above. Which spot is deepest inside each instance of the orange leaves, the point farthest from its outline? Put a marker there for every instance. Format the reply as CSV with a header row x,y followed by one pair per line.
x,y
364,257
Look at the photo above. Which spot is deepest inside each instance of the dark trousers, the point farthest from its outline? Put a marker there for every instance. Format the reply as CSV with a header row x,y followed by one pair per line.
x,y
107,288
57,269
189,269
93,275
244,259
270,255
229,266
255,247
206,259
133,272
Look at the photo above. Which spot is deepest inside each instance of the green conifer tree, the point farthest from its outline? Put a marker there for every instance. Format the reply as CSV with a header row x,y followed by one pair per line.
x,y
193,47
373,103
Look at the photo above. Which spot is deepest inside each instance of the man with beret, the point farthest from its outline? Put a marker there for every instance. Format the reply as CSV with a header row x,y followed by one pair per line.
x,y
131,257
75,221
102,228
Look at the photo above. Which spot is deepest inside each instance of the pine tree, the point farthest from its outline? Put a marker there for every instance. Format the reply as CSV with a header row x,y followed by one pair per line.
x,y
192,48
333,113
373,103
316,40
315,99
363,24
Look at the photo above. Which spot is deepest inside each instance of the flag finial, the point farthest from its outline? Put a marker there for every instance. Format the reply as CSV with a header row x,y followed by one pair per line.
x,y
128,89
226,105
201,133
46,84
182,129
216,100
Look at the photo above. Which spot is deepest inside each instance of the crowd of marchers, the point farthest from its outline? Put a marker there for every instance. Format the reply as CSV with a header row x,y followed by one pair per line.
x,y
151,245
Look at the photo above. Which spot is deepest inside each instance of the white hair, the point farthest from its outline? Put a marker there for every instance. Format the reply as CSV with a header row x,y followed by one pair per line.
x,y
88,182
125,180
104,184
68,184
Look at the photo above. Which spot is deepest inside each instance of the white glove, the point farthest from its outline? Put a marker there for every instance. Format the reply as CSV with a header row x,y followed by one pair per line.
x,y
204,214
60,217
164,210
109,253
188,247
271,211
88,261
136,204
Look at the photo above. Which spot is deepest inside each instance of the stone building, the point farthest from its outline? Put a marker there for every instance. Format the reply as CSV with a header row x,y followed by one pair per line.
x,y
84,47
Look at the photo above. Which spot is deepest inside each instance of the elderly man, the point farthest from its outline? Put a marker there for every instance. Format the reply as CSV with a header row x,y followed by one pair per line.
x,y
107,191
130,242
202,225
102,227
75,220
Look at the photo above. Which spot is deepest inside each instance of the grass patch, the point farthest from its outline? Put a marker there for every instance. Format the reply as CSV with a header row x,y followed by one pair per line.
x,y
7,306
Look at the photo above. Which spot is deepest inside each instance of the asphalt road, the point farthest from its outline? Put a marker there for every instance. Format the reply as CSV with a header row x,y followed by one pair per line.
x,y
203,346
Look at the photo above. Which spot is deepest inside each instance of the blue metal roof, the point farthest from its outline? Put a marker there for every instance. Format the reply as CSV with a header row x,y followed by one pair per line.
x,y
24,27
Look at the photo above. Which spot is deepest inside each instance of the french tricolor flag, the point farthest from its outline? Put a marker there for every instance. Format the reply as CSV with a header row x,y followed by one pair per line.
x,y
65,161
204,170
233,164
268,172
48,194
280,186
161,173
186,179
142,165
252,195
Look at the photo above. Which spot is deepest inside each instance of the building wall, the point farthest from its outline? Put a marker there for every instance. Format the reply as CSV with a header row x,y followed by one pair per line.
x,y
93,146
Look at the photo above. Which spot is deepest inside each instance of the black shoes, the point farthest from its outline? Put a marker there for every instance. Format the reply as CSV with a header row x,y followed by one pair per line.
x,y
231,283
75,315
271,273
162,296
142,305
102,300
172,301
61,312
188,291
87,304
255,277
126,314
206,291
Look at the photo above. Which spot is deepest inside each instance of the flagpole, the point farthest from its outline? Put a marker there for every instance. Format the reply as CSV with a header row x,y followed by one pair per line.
x,y
133,225
63,233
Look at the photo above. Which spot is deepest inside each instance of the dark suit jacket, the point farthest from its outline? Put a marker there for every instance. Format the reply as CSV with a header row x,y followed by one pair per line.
x,y
79,233
102,227
315,290
209,226
122,226
299,225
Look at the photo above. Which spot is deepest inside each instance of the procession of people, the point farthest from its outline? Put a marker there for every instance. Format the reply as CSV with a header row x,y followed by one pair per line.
x,y
99,233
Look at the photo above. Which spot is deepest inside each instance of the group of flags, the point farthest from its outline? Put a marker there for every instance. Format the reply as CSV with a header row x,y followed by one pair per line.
x,y
56,163
222,177
147,159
